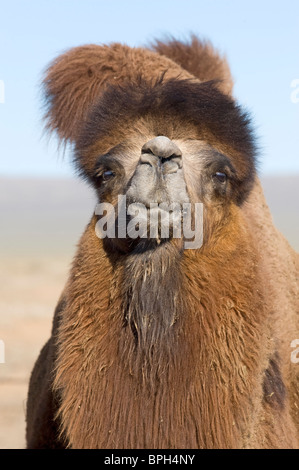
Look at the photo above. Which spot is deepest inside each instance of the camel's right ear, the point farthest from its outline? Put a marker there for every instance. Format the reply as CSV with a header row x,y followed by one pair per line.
x,y
74,81
200,59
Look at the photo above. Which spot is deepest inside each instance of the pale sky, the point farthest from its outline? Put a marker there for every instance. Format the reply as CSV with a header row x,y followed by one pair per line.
x,y
259,37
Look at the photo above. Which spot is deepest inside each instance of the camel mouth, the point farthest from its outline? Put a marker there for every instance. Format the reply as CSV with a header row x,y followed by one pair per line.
x,y
135,222
155,221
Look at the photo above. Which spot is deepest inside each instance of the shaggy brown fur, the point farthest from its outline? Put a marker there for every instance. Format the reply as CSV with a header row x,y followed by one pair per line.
x,y
76,79
154,346
167,106
199,59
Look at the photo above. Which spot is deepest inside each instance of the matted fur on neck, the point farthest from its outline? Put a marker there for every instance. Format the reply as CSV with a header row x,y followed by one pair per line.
x,y
198,354
153,302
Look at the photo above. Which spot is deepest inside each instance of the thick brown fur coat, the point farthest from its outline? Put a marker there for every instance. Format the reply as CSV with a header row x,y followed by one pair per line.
x,y
168,348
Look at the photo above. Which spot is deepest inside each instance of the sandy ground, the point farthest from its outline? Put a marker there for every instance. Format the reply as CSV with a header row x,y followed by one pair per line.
x,y
29,290
40,224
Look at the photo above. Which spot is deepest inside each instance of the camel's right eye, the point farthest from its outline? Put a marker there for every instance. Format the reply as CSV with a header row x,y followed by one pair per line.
x,y
107,175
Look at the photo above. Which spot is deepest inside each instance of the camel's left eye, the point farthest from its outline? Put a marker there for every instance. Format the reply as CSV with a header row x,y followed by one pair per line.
x,y
221,177
107,175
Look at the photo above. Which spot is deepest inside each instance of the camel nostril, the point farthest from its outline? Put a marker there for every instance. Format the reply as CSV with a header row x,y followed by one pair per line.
x,y
165,165
161,152
161,147
173,158
149,158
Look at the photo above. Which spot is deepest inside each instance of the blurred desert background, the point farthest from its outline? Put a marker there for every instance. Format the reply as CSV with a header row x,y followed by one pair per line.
x,y
40,224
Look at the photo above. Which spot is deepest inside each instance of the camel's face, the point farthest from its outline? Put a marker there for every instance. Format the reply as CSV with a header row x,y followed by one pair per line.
x,y
160,180
159,156
165,171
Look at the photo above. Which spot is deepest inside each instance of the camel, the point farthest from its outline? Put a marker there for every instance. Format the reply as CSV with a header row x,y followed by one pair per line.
x,y
155,345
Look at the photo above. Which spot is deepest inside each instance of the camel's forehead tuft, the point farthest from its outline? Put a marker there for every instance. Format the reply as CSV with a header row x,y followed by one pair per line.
x,y
175,100
175,108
